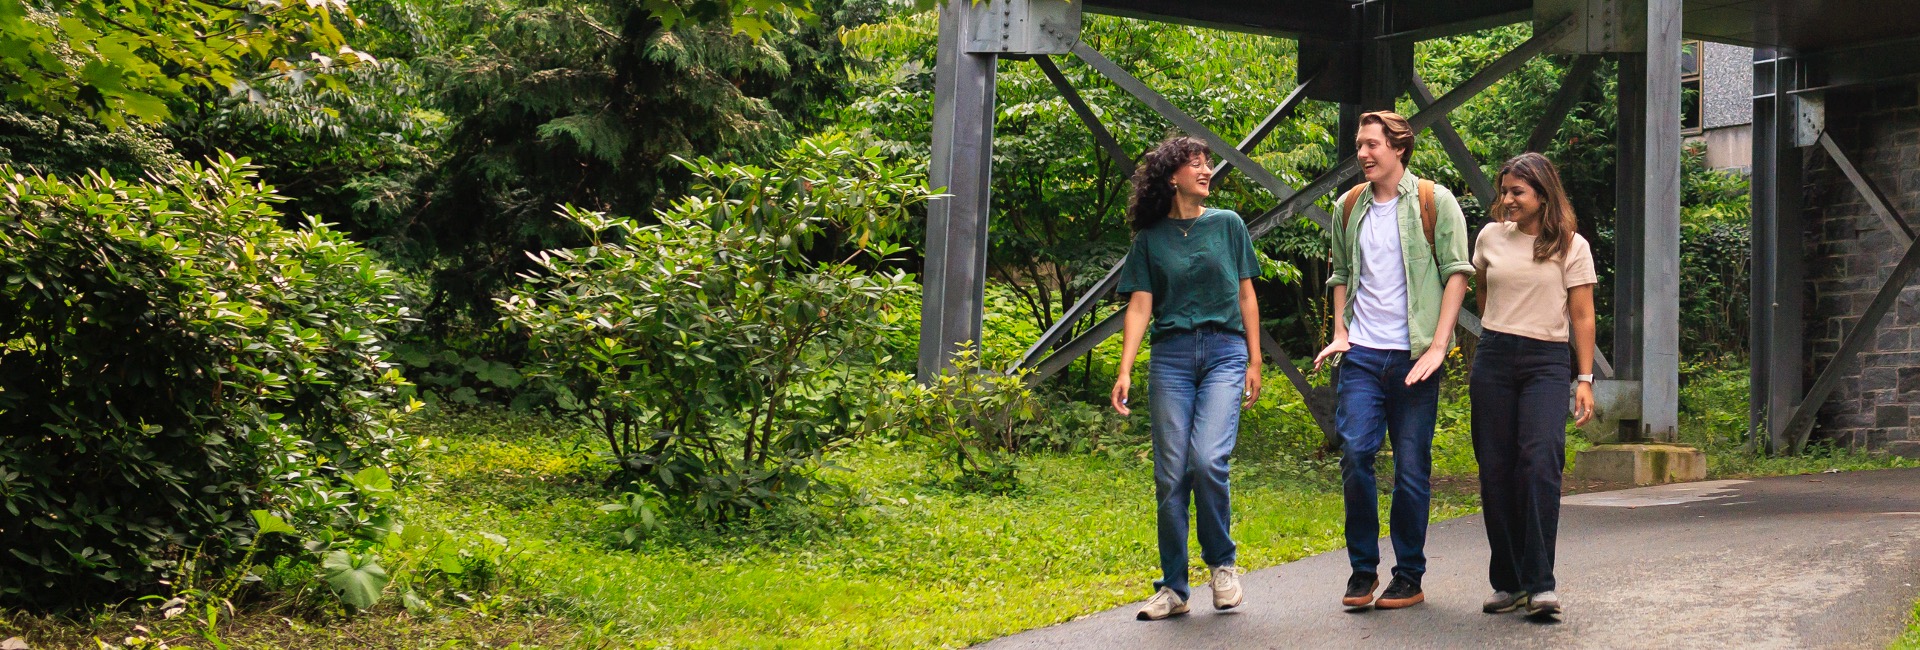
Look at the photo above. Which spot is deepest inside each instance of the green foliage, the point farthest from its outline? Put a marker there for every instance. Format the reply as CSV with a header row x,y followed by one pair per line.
x,y
69,147
716,359
590,104
1909,640
174,359
121,62
970,419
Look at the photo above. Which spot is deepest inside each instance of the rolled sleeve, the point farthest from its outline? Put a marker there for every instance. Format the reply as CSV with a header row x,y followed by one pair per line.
x,y
1337,250
1450,236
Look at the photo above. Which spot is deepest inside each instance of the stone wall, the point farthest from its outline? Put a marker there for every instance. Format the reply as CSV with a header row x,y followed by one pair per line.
x,y
1850,253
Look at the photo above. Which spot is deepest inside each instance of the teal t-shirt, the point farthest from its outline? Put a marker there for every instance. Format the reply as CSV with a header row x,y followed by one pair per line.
x,y
1193,268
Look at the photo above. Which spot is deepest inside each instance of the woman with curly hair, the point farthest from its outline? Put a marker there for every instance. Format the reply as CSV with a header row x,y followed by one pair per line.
x,y
1189,274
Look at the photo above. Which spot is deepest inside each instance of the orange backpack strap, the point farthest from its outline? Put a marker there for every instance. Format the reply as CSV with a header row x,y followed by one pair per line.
x,y
1346,205
1427,214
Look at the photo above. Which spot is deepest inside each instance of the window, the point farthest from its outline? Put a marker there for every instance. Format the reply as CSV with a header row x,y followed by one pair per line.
x,y
1690,52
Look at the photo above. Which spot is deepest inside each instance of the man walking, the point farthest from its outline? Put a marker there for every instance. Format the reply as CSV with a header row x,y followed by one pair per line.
x,y
1400,270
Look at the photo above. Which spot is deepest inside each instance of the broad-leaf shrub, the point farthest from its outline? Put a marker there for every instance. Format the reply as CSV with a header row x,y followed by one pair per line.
x,y
715,356
970,419
170,359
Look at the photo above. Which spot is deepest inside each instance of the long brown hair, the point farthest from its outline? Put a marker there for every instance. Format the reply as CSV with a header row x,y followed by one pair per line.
x,y
1557,225
1153,190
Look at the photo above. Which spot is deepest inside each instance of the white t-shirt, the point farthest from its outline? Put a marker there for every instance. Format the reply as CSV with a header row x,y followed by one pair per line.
x,y
1380,307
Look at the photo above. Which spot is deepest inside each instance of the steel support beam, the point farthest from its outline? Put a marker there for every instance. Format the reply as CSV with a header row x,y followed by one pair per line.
x,y
1292,202
1101,136
1572,88
1099,291
1801,424
955,277
1277,356
1889,217
1660,231
1776,344
1629,250
1218,145
1456,148
1259,134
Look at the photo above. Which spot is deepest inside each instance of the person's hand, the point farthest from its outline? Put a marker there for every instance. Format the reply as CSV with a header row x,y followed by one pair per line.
x,y
1252,394
1582,403
1120,387
1338,346
1427,365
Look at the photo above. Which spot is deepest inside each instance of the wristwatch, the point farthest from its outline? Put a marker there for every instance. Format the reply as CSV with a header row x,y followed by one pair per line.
x,y
1585,378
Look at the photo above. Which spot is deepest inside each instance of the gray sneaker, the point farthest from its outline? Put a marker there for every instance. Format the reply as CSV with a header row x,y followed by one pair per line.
x,y
1226,587
1544,604
1502,602
1163,604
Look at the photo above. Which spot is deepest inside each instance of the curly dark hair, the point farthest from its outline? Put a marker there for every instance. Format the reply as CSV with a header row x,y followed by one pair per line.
x,y
1153,191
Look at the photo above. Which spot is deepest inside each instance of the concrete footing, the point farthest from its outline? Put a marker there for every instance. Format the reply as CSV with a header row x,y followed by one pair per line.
x,y
1640,464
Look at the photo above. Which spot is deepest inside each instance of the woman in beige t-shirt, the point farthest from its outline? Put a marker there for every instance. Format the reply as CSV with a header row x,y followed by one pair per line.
x,y
1536,292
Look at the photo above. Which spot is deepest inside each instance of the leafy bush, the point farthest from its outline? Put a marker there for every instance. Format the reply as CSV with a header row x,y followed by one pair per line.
x,y
971,419
171,359
715,358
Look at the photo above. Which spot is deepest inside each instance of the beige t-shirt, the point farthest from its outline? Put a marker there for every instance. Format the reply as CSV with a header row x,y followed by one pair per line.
x,y
1525,297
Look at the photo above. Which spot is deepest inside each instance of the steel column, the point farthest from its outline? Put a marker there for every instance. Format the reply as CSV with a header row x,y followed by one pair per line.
x,y
1630,180
1778,268
955,278
1660,282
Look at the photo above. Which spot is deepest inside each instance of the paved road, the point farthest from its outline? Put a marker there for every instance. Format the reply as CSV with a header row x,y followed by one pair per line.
x,y
1822,561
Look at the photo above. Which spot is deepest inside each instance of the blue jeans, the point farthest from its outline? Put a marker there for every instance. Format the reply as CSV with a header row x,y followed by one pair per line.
x,y
1377,404
1197,378
1519,391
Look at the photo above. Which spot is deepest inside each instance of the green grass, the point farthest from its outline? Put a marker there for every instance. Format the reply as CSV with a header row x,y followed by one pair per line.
x,y
1911,639
911,565
927,567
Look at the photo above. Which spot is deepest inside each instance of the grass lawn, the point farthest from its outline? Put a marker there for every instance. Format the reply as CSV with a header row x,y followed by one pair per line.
x,y
922,567
912,565
1911,639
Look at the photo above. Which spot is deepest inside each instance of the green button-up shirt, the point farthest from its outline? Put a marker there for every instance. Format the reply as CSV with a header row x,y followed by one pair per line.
x,y
1425,265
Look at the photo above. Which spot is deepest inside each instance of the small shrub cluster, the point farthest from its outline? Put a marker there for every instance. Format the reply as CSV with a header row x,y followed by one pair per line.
x,y
172,359
718,360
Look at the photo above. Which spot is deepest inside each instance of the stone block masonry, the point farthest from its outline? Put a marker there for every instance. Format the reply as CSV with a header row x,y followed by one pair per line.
x,y
1850,253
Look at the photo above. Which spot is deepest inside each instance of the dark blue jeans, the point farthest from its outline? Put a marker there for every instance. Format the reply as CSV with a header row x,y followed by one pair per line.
x,y
1519,391
1376,405
1196,380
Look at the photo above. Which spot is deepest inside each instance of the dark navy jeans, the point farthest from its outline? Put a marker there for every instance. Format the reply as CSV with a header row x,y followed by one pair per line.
x,y
1377,406
1196,380
1519,391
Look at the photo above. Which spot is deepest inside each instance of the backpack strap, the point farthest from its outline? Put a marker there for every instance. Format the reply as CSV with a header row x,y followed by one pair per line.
x,y
1427,214
1346,205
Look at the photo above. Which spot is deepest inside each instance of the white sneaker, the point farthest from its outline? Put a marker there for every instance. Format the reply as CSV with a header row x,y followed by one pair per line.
x,y
1504,601
1163,604
1545,603
1226,587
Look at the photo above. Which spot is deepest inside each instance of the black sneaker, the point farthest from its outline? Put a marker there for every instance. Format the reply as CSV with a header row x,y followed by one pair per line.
x,y
1401,593
1360,589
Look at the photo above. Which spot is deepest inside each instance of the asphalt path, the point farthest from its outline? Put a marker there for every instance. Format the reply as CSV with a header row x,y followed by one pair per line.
x,y
1819,561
